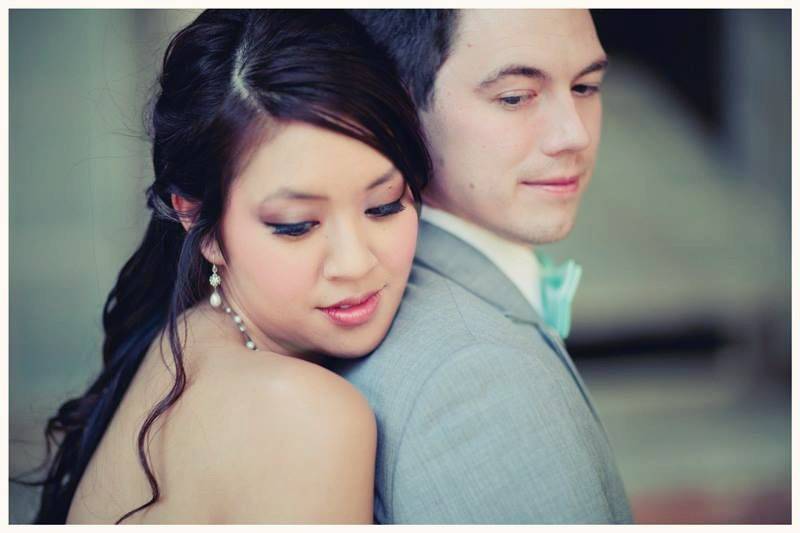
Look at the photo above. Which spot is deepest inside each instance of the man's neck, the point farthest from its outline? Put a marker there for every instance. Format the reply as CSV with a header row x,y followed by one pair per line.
x,y
516,261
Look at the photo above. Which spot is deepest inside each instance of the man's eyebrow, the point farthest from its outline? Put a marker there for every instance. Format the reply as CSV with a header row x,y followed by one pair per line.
x,y
285,193
511,70
596,66
533,72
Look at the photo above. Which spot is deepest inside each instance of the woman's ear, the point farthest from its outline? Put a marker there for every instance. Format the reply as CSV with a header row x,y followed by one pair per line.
x,y
185,209
210,250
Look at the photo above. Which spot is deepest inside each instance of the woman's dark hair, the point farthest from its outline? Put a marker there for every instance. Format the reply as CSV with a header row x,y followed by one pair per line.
x,y
227,78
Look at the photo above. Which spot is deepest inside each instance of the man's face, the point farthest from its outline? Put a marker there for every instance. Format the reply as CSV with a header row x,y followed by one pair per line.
x,y
514,124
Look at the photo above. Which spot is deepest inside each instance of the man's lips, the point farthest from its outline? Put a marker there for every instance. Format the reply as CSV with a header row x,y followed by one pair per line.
x,y
560,185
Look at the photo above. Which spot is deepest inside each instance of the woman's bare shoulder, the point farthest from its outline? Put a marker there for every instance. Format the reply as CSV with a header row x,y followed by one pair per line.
x,y
266,379
221,370
281,434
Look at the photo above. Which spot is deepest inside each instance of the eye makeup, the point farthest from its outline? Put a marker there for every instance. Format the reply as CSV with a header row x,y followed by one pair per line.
x,y
292,230
386,209
301,228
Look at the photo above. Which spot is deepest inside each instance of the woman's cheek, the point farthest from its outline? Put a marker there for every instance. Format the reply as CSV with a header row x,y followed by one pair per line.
x,y
401,247
287,275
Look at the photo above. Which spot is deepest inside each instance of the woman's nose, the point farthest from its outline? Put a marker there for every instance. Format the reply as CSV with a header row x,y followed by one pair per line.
x,y
349,253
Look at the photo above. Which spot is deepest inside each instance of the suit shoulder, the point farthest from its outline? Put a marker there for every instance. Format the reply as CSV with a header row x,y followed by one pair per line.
x,y
446,317
436,320
489,360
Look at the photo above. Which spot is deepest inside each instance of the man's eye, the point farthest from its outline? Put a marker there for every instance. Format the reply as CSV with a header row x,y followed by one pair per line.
x,y
586,90
513,101
292,230
386,209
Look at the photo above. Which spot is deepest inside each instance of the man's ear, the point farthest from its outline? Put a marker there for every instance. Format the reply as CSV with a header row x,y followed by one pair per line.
x,y
185,209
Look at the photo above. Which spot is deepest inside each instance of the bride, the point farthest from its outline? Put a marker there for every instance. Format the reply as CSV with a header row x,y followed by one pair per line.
x,y
288,168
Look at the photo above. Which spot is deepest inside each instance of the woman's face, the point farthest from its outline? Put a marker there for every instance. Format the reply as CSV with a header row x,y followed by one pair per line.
x,y
320,232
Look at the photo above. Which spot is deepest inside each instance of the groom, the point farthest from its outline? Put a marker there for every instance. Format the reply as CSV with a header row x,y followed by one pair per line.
x,y
482,416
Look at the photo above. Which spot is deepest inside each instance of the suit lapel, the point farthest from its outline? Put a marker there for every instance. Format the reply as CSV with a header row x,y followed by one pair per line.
x,y
453,258
456,260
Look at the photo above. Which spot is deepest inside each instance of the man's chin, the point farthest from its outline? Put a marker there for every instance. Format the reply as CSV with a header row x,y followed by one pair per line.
x,y
538,232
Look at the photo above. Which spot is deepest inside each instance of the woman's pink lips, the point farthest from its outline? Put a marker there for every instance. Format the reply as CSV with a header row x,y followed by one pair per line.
x,y
354,315
555,186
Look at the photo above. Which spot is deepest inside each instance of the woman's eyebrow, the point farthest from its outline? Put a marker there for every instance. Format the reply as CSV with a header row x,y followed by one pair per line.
x,y
383,178
286,193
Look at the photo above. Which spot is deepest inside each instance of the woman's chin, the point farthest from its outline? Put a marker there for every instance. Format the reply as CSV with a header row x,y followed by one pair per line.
x,y
360,340
357,346
356,351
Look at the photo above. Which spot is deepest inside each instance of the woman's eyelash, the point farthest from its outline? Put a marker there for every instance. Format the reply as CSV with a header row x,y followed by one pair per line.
x,y
386,209
292,230
301,228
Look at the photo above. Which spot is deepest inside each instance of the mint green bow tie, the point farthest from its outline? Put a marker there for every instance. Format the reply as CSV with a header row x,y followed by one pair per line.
x,y
559,283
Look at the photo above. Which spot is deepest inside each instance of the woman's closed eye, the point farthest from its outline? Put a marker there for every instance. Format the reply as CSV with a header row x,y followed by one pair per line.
x,y
386,209
299,229
292,230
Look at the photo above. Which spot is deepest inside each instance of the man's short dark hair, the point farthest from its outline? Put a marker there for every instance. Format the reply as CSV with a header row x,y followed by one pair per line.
x,y
418,40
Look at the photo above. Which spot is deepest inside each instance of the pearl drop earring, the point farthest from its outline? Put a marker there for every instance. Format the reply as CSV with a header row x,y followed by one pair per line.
x,y
215,281
216,302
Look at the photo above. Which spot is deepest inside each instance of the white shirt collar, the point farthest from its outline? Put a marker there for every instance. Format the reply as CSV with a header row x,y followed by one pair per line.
x,y
516,261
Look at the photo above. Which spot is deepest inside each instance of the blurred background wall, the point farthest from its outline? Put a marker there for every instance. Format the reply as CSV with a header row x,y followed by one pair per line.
x,y
681,325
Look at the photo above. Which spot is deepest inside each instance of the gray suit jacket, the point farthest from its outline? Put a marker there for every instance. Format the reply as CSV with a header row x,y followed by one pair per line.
x,y
482,416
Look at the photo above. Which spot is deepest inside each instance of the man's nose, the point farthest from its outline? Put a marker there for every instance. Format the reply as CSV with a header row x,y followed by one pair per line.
x,y
566,129
350,256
